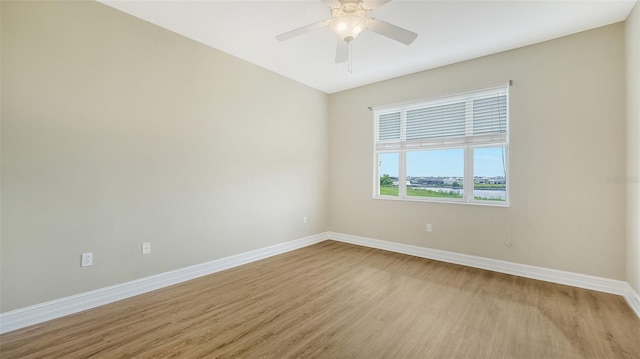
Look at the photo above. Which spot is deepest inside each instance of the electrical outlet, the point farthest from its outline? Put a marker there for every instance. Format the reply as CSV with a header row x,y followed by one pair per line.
x,y
87,259
146,247
304,219
429,227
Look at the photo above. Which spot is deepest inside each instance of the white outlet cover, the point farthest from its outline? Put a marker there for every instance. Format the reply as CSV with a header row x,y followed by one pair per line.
x,y
146,248
87,259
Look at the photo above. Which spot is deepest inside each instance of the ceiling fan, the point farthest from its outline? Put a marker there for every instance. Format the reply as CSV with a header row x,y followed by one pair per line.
x,y
348,20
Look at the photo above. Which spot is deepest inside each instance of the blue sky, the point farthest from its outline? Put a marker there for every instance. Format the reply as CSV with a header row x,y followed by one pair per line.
x,y
445,163
488,162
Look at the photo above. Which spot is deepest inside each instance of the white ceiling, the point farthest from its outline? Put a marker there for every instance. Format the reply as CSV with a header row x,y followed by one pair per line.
x,y
449,31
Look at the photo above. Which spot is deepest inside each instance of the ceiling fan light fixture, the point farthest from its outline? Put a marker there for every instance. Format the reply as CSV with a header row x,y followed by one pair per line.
x,y
349,26
348,20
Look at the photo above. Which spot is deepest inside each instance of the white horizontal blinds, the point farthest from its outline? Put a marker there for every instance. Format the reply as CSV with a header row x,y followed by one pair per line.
x,y
490,115
389,127
478,117
439,121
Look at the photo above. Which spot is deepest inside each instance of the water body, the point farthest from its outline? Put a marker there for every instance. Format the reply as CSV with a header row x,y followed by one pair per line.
x,y
484,193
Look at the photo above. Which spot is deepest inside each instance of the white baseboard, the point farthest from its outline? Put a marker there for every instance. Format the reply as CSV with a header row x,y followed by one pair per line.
x,y
39,313
545,274
633,299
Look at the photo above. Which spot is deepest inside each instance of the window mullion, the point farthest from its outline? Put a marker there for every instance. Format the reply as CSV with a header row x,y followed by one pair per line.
x,y
403,126
468,174
468,118
468,152
402,178
376,175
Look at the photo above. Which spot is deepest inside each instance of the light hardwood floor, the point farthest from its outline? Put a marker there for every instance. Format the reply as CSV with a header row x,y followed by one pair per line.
x,y
335,300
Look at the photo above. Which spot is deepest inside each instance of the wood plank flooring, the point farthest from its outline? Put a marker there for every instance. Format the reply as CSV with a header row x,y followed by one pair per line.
x,y
335,300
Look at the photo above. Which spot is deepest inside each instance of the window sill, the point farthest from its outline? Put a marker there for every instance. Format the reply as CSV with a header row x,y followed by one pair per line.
x,y
435,200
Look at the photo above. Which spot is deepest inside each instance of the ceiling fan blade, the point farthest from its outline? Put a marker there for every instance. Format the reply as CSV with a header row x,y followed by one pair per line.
x,y
303,30
373,4
342,51
391,31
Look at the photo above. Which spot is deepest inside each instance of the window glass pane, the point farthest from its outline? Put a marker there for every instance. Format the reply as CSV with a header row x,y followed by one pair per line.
x,y
389,173
489,174
435,173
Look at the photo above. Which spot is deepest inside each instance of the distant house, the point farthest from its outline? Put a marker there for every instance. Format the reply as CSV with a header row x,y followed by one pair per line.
x,y
397,182
490,180
433,181
497,180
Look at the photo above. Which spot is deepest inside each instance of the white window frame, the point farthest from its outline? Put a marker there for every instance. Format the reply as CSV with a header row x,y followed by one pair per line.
x,y
468,143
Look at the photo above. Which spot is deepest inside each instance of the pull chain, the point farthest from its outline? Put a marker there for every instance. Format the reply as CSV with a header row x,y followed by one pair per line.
x,y
350,61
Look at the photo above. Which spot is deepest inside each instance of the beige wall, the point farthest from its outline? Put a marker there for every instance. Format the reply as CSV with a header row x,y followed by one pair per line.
x,y
633,147
116,132
567,109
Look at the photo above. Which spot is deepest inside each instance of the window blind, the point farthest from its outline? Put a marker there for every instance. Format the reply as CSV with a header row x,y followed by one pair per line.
x,y
436,121
476,117
490,115
389,124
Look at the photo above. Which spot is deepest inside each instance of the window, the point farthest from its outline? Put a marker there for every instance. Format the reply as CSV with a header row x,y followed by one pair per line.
x,y
452,149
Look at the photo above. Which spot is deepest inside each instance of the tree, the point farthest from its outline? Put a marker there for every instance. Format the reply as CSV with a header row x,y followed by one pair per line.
x,y
455,185
386,180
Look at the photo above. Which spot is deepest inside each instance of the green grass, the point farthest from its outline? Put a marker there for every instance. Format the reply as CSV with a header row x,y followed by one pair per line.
x,y
388,191
412,192
489,186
